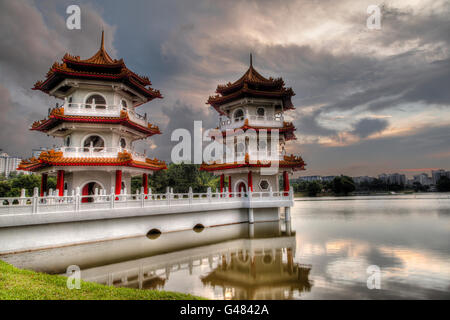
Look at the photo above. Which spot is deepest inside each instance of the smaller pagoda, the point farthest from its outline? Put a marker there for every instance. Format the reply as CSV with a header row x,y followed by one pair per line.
x,y
254,103
97,125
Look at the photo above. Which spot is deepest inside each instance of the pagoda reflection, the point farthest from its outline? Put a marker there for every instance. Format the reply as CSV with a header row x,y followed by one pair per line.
x,y
260,275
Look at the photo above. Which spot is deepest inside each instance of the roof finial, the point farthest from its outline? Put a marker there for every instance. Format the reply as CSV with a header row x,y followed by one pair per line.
x,y
251,60
102,46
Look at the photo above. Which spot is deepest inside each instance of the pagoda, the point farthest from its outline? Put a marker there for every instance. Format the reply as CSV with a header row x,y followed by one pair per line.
x,y
97,125
254,103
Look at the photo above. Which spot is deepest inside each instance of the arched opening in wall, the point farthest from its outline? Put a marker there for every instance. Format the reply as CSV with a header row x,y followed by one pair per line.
x,y
238,115
199,228
96,101
153,234
89,190
95,142
241,188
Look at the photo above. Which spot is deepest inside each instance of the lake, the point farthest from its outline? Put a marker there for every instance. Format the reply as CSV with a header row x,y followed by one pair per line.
x,y
323,253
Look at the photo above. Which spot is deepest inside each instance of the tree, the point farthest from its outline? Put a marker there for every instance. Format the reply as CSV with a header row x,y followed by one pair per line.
x,y
443,184
343,185
313,188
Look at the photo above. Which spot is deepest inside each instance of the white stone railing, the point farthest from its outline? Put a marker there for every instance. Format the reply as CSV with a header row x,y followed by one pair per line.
x,y
257,121
98,152
102,201
102,110
259,156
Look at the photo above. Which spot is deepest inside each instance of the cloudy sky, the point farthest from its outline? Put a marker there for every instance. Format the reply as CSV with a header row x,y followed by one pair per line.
x,y
367,101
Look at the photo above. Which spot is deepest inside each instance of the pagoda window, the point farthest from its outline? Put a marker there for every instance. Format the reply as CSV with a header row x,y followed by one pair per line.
x,y
93,143
239,115
261,112
122,143
96,101
264,185
124,105
67,141
70,100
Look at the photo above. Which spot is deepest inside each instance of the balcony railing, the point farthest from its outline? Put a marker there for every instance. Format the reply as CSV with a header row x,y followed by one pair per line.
x,y
102,110
98,152
256,121
75,202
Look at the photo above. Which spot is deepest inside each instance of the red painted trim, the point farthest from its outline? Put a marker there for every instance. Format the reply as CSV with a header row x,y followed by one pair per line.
x,y
250,181
145,182
44,177
222,180
285,181
118,181
60,182
229,185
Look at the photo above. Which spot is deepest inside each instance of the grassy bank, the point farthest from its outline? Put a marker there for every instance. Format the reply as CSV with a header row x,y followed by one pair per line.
x,y
18,284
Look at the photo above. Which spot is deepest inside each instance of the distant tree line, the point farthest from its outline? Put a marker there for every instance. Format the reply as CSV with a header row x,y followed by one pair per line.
x,y
341,185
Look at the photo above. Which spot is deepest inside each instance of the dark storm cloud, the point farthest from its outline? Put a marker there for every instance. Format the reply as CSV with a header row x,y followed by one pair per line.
x,y
365,127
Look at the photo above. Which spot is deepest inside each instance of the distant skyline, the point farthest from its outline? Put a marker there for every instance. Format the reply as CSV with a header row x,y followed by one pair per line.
x,y
367,101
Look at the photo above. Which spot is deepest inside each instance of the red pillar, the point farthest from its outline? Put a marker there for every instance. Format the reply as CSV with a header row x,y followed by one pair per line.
x,y
145,182
229,185
118,181
286,181
60,182
222,181
250,181
44,177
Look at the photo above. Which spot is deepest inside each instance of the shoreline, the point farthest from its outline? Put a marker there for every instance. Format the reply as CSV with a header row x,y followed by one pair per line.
x,y
22,284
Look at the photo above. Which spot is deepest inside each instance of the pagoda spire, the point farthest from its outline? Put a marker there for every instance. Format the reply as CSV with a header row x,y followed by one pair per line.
x,y
102,45
251,60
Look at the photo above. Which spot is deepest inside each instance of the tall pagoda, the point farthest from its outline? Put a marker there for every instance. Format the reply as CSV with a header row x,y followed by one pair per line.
x,y
254,103
97,125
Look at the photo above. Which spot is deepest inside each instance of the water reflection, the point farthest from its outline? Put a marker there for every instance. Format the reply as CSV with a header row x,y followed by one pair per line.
x,y
241,261
324,254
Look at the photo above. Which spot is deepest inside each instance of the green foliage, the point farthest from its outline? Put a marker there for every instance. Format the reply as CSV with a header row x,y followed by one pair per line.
x,y
343,185
11,187
18,284
443,184
313,188
179,177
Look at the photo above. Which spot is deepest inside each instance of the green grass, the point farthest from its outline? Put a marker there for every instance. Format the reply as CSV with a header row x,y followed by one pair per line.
x,y
18,284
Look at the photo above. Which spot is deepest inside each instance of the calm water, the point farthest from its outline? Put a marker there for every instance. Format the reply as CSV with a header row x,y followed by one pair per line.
x,y
323,254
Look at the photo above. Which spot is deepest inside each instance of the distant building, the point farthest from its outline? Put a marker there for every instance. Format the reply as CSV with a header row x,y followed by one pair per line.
x,y
393,178
359,180
437,174
423,179
8,164
328,178
36,152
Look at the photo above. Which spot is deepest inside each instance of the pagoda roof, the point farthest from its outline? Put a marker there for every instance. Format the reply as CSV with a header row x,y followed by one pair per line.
x,y
98,67
56,158
252,84
294,162
57,116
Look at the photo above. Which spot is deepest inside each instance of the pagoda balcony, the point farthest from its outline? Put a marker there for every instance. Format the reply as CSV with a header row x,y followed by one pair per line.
x,y
98,152
252,121
102,110
253,156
